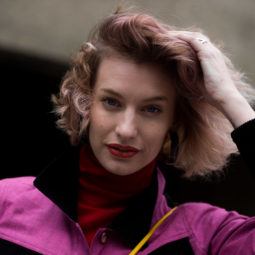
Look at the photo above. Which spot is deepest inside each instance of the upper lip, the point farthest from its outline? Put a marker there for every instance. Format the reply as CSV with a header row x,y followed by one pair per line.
x,y
123,147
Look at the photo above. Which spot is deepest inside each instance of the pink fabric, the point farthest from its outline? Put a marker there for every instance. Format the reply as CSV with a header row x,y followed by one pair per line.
x,y
30,219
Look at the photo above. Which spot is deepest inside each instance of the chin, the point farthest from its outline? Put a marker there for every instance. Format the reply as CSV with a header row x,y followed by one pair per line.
x,y
120,170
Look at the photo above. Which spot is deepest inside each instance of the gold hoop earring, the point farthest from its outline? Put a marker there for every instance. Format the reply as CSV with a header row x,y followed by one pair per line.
x,y
170,147
166,148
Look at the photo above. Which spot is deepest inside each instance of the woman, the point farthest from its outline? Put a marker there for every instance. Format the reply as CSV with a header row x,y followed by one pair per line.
x,y
134,88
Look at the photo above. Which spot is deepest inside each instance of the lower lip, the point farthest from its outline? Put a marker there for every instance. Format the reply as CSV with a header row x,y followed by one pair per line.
x,y
122,154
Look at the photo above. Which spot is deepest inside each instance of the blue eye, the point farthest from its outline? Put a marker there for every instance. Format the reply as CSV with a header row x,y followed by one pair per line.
x,y
111,102
152,109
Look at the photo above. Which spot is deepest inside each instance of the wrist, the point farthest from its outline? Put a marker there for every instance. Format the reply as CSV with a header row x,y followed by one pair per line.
x,y
237,109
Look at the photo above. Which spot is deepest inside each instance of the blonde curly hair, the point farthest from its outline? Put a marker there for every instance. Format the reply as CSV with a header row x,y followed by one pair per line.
x,y
204,132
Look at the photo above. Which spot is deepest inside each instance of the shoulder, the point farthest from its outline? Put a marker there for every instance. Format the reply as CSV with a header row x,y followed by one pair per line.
x,y
18,182
27,217
215,227
11,188
206,218
19,198
22,204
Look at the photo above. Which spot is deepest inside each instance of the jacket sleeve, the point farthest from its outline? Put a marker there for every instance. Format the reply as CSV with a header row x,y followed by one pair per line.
x,y
216,231
244,137
2,196
9,190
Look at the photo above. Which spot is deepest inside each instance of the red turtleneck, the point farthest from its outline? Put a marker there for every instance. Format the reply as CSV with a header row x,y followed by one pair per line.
x,y
103,195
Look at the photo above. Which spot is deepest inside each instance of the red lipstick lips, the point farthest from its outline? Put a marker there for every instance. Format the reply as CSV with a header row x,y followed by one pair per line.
x,y
122,151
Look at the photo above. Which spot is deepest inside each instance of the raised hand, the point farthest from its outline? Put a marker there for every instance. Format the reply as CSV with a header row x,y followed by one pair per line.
x,y
220,88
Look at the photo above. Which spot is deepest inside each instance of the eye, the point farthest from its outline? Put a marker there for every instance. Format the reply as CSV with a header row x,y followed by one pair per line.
x,y
152,109
110,102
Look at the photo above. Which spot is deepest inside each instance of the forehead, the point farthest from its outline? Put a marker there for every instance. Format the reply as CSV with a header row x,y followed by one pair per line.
x,y
127,76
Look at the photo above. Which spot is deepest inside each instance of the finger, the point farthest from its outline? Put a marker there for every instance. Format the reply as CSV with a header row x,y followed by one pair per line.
x,y
188,34
196,40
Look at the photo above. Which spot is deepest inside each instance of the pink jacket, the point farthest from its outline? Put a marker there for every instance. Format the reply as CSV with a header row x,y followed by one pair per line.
x,y
29,219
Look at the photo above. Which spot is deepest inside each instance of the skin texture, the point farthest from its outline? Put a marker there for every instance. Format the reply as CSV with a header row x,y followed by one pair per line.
x,y
221,91
133,104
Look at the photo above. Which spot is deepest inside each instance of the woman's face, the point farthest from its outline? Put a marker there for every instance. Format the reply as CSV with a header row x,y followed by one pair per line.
x,y
131,113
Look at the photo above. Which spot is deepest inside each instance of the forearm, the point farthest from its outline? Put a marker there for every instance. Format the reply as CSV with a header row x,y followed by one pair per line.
x,y
237,110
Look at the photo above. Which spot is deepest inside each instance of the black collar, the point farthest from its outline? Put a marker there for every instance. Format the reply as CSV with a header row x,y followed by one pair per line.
x,y
59,182
134,223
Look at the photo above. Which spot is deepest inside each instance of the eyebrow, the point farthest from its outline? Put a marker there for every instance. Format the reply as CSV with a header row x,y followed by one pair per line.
x,y
154,98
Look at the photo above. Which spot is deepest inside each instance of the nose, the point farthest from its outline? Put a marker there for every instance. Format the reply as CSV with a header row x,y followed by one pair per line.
x,y
126,127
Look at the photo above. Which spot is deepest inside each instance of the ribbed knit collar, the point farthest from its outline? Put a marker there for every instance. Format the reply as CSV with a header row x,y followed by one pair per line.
x,y
107,188
103,195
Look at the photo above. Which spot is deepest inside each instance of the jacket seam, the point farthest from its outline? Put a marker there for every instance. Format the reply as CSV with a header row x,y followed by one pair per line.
x,y
192,235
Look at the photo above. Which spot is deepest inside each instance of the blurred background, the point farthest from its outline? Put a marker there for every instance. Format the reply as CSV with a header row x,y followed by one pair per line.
x,y
37,40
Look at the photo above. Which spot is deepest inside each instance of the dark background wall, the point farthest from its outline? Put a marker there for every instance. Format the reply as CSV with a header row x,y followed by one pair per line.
x,y
29,136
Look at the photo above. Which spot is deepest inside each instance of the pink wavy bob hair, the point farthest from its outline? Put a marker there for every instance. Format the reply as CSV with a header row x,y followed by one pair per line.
x,y
204,133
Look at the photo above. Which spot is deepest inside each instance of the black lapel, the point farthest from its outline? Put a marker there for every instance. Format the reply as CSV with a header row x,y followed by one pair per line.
x,y
134,223
59,180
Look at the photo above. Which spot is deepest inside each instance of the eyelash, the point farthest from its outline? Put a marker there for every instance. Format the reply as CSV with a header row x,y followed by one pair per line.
x,y
156,109
112,104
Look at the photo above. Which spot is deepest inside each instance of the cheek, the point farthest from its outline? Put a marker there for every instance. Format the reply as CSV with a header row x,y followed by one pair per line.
x,y
96,118
156,137
100,125
160,142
